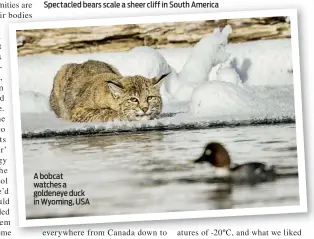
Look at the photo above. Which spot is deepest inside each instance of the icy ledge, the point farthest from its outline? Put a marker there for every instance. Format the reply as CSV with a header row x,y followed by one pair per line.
x,y
55,127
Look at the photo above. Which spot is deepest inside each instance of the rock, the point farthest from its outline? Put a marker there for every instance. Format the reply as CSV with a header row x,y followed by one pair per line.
x,y
161,35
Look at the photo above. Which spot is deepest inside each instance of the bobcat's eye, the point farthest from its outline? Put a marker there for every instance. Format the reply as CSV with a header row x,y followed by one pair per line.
x,y
134,100
150,98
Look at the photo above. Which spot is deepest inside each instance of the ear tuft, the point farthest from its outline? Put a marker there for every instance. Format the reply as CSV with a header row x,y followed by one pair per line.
x,y
159,79
115,88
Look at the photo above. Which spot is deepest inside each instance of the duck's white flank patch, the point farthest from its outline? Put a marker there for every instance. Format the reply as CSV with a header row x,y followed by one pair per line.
x,y
222,172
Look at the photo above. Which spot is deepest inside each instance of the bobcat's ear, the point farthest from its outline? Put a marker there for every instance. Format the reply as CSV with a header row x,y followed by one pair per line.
x,y
157,81
115,88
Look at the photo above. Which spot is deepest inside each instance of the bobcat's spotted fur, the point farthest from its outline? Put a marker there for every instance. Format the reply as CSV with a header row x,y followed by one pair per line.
x,y
95,91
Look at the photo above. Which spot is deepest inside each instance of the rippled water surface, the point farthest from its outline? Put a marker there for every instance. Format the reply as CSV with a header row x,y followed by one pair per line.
x,y
152,171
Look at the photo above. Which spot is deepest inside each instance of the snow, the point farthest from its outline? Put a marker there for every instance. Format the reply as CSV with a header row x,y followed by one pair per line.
x,y
211,82
215,98
207,53
228,74
34,102
154,63
20,40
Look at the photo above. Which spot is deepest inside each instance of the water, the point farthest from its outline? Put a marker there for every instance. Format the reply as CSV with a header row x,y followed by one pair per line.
x,y
152,171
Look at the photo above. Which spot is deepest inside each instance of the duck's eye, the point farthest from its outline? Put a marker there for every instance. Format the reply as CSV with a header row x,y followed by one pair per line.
x,y
149,98
134,100
208,152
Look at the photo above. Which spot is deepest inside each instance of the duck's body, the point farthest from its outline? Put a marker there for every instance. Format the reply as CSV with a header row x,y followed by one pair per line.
x,y
252,172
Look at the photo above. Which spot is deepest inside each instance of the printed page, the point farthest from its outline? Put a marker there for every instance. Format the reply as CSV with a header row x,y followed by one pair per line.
x,y
155,119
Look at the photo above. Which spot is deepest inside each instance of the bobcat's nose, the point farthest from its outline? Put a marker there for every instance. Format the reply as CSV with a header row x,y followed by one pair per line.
x,y
145,109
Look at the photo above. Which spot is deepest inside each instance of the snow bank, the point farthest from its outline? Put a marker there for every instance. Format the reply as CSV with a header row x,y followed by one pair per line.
x,y
253,80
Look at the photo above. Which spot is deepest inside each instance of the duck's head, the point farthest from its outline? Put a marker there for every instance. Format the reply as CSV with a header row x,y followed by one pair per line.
x,y
215,154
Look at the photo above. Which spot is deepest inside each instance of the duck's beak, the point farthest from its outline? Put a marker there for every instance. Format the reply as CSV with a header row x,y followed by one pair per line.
x,y
200,159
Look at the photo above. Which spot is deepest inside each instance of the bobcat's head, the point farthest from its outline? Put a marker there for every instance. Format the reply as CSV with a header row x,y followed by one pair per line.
x,y
137,97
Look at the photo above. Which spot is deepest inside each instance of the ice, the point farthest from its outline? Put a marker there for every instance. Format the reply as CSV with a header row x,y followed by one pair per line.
x,y
46,125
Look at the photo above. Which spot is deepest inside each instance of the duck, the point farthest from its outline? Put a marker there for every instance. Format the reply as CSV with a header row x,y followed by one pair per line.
x,y
217,155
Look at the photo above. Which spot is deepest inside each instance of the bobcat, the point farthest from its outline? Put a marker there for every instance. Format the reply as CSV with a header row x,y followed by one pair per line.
x,y
95,91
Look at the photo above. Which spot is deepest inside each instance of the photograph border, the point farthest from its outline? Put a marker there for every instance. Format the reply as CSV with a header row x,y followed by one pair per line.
x,y
23,222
